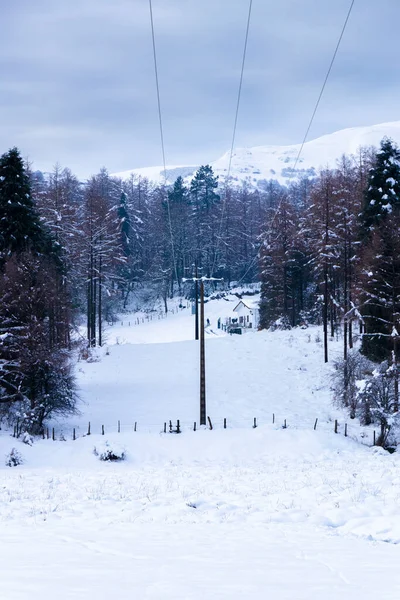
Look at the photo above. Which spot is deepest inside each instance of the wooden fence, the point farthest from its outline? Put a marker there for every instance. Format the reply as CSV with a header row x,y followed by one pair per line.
x,y
60,433
156,316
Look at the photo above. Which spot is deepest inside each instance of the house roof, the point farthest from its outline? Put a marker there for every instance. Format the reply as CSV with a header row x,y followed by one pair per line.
x,y
250,304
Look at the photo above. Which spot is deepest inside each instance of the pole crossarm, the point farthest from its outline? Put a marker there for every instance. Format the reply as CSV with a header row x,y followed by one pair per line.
x,y
184,279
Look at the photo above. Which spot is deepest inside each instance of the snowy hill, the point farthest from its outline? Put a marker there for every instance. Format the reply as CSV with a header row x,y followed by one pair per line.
x,y
293,513
277,162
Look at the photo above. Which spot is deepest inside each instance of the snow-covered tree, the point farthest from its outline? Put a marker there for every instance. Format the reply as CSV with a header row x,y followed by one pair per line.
x,y
19,220
381,255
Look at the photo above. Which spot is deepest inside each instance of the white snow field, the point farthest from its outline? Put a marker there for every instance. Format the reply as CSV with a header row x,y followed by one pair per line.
x,y
271,512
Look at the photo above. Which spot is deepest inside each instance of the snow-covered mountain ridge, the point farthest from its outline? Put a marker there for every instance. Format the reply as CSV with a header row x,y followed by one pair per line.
x,y
262,163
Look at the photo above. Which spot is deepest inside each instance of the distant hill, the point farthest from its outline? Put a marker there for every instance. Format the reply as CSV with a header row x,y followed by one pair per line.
x,y
262,163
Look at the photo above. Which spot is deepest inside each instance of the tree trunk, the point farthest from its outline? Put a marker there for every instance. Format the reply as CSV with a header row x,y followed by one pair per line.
x,y
100,305
325,313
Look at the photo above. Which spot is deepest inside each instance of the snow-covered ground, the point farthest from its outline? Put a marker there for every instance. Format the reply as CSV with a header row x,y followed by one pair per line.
x,y
288,513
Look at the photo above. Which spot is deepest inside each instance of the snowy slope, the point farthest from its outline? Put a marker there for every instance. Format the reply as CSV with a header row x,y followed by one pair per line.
x,y
277,162
289,513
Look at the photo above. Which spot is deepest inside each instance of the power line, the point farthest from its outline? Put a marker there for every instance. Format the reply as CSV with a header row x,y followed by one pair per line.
x,y
162,138
310,123
157,88
239,90
324,84
234,130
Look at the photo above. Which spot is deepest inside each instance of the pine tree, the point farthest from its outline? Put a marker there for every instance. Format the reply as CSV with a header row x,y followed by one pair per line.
x,y
35,371
380,220
383,193
205,202
202,188
19,221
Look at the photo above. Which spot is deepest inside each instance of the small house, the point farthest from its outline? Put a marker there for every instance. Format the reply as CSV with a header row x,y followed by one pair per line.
x,y
247,314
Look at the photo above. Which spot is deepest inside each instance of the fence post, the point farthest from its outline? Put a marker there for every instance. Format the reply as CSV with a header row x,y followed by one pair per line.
x,y
315,424
209,422
336,425
170,426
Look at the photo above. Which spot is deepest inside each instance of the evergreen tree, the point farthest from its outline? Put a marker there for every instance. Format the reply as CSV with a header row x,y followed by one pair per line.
x,y
205,217
19,221
202,189
380,280
35,371
383,193
380,264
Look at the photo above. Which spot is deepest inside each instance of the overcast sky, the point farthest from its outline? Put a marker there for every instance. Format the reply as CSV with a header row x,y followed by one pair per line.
x,y
77,79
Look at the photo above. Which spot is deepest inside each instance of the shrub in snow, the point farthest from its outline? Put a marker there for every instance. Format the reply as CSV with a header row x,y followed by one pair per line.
x,y
14,458
92,355
282,324
369,391
27,439
110,452
346,380
378,401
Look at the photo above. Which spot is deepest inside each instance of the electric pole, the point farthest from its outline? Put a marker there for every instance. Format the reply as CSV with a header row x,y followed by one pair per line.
x,y
196,293
202,359
203,411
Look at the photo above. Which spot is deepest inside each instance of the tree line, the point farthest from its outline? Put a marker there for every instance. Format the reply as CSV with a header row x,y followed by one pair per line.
x,y
72,253
332,256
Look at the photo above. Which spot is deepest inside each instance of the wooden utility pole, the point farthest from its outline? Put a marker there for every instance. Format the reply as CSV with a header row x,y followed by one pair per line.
x,y
396,373
196,318
100,299
202,359
203,411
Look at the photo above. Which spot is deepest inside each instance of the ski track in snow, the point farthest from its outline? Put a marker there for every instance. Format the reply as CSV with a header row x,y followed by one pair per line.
x,y
237,513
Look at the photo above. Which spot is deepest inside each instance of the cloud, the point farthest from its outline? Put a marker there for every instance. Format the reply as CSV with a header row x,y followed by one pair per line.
x,y
78,85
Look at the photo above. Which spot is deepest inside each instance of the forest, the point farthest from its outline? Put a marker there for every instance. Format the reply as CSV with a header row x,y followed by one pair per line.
x,y
326,250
